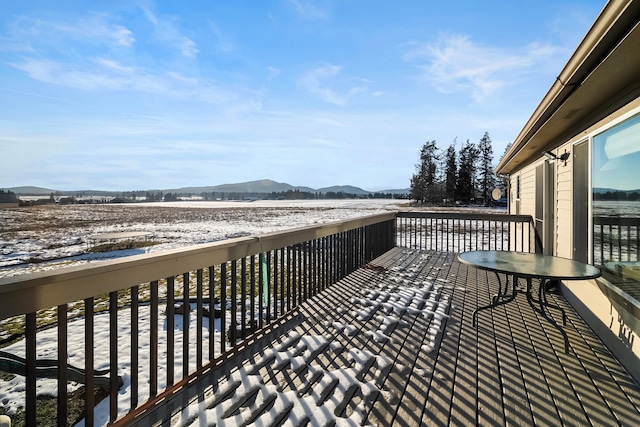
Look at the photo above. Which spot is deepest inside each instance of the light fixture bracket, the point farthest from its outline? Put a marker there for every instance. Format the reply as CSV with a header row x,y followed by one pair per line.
x,y
562,157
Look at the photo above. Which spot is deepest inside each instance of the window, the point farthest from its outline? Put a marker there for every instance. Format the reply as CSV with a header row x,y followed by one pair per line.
x,y
616,205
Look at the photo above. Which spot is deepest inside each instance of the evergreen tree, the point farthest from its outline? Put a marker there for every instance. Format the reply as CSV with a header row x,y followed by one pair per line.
x,y
425,180
417,189
8,197
503,180
451,173
465,185
486,177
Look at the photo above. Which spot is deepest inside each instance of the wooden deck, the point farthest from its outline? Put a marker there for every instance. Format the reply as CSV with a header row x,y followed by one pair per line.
x,y
393,344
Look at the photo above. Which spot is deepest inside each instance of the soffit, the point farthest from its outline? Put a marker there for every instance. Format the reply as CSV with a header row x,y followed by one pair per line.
x,y
613,82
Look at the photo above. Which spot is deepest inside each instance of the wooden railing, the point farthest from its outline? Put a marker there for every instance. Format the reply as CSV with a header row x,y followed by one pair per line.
x,y
185,295
459,232
184,305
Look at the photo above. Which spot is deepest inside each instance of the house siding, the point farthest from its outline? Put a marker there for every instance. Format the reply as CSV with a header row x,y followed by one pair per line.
x,y
616,323
564,218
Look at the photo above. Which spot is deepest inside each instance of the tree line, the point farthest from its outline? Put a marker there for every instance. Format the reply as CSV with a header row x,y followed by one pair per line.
x,y
8,196
632,196
159,196
455,176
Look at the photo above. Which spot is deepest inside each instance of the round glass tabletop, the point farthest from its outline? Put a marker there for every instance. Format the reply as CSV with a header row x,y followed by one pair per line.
x,y
526,264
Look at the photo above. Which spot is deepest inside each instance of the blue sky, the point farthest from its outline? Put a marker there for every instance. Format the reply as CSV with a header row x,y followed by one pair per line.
x,y
135,95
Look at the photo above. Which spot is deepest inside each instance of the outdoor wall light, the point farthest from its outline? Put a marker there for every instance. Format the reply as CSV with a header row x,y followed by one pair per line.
x,y
552,156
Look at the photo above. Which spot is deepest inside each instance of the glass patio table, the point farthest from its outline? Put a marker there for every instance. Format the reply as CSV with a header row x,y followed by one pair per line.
x,y
528,266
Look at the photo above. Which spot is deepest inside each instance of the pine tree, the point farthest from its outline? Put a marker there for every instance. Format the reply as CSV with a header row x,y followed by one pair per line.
x,y
424,181
451,173
465,185
486,177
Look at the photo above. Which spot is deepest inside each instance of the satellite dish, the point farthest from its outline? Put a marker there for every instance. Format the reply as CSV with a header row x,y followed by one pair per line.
x,y
496,194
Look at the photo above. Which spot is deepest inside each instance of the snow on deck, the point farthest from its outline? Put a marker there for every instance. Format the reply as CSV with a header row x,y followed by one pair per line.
x,y
392,344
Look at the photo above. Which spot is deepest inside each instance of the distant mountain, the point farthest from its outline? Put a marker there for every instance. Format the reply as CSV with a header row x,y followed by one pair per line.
x,y
598,190
260,186
30,190
347,189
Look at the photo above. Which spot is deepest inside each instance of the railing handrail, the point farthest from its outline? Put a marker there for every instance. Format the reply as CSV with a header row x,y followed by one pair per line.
x,y
32,292
466,216
456,231
616,220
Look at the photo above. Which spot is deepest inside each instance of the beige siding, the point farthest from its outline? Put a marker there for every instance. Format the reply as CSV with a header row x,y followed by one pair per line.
x,y
564,223
614,323
527,190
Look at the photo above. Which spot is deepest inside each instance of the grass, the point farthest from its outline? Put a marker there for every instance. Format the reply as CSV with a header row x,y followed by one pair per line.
x,y
46,409
119,246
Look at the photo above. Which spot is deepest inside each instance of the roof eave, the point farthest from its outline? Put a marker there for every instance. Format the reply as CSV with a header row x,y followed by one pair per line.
x,y
612,24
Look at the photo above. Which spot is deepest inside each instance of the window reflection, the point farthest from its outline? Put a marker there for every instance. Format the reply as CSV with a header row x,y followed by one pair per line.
x,y
616,204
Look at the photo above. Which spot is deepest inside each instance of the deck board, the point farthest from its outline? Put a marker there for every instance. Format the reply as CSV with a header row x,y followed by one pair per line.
x,y
355,354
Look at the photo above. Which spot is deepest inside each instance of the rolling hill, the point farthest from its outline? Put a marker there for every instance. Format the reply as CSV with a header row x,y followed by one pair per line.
x,y
260,186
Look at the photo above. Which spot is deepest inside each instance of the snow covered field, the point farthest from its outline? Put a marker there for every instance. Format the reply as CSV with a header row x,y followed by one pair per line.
x,y
48,237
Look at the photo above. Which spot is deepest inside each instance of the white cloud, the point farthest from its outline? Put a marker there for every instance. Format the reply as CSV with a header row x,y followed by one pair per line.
x,y
222,42
321,80
111,75
307,9
106,74
97,27
28,32
454,63
273,72
167,32
314,82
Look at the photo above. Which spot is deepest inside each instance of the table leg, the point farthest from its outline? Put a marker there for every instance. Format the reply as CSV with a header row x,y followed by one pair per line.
x,y
542,299
500,298
542,302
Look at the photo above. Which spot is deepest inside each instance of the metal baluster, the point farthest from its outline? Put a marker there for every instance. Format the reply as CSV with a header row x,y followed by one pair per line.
x,y
62,365
134,346
113,356
186,312
153,338
89,403
243,290
233,326
282,278
223,306
170,330
30,386
252,290
199,318
212,296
